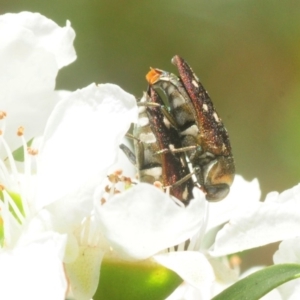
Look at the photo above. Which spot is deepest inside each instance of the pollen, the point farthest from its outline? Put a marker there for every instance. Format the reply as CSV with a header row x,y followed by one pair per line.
x,y
2,115
235,261
113,178
32,151
2,188
118,172
153,75
158,184
20,131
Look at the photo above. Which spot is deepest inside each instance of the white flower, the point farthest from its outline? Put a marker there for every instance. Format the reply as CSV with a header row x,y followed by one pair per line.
x,y
32,50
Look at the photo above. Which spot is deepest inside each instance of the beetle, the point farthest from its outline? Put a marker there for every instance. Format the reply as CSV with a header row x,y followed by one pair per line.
x,y
152,134
203,136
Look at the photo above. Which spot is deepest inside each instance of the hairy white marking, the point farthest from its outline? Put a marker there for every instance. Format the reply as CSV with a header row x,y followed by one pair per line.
x,y
144,121
178,101
205,107
147,138
193,131
154,172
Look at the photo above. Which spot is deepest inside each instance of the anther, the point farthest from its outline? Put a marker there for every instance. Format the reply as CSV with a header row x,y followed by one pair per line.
x,y
235,261
2,114
158,184
32,151
118,172
113,178
20,131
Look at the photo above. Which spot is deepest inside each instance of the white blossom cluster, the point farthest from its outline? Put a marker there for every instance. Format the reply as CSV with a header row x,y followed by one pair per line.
x,y
58,220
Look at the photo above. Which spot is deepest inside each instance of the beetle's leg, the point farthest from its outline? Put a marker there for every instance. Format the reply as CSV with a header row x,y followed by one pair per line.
x,y
130,155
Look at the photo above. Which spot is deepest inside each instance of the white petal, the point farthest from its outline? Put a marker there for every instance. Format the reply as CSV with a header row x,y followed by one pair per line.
x,y
51,37
84,273
34,271
30,54
143,221
242,193
193,267
261,224
187,292
82,138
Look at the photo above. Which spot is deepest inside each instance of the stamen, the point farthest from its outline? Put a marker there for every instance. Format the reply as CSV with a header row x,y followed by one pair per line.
x,y
32,151
2,114
89,234
27,168
119,172
10,159
20,131
3,123
113,178
235,262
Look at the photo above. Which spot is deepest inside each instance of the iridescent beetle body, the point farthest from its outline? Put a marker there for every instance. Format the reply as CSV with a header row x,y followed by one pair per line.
x,y
152,134
202,133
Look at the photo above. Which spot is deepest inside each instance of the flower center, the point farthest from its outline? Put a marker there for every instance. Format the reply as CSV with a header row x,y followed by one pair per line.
x,y
14,184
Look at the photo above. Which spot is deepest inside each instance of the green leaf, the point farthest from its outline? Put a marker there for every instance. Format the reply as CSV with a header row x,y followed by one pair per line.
x,y
18,154
258,284
121,280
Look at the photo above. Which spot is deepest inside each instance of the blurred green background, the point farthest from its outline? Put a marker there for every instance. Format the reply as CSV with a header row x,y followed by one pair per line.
x,y
246,53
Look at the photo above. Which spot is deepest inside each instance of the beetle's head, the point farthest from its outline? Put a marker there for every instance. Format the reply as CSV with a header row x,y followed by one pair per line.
x,y
217,176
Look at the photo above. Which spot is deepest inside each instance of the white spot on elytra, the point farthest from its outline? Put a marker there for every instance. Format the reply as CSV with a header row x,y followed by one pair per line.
x,y
167,122
216,117
195,84
205,107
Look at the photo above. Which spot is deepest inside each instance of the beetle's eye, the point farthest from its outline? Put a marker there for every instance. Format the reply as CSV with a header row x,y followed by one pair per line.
x,y
216,192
